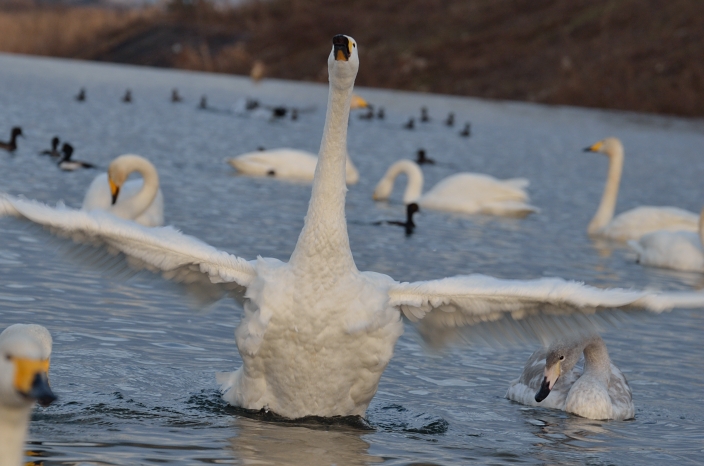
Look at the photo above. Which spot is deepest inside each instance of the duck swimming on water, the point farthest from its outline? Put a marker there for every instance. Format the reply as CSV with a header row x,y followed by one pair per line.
x,y
54,151
67,164
11,145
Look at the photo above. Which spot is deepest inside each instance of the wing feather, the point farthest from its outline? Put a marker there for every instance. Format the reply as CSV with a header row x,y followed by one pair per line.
x,y
164,249
499,310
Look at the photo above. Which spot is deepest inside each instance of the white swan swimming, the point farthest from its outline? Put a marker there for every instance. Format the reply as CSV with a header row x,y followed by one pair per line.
x,y
550,379
317,333
636,222
141,201
288,164
24,379
679,250
469,193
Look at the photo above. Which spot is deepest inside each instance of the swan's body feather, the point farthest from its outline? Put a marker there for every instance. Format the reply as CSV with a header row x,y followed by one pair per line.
x,y
317,333
467,193
678,250
288,164
98,197
634,223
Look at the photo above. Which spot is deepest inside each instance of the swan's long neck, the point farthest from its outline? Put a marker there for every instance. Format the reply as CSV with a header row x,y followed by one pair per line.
x,y
414,188
596,359
606,209
137,204
13,431
323,244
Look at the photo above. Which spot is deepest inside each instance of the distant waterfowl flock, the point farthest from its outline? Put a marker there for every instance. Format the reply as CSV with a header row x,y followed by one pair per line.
x,y
319,301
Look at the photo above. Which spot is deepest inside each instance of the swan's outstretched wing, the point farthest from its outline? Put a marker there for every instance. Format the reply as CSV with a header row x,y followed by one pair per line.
x,y
478,307
180,257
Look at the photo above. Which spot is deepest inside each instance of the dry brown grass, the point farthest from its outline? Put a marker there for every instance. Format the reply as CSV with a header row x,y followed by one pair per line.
x,y
643,55
63,32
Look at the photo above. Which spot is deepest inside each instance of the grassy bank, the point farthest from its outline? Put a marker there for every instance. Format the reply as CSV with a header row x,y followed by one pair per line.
x,y
642,55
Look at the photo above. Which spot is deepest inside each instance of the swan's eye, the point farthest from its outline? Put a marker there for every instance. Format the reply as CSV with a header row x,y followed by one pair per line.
x,y
8,357
562,358
354,45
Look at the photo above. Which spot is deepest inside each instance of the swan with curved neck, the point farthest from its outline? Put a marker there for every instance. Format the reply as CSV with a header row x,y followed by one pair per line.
x,y
141,201
678,250
469,193
550,380
636,222
286,164
24,380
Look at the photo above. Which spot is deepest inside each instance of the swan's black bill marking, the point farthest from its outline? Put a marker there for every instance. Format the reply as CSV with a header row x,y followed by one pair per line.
x,y
341,47
41,391
544,390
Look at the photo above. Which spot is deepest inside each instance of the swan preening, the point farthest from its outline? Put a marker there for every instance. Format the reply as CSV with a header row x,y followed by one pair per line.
x,y
288,164
550,379
24,380
636,222
679,250
141,201
468,193
317,333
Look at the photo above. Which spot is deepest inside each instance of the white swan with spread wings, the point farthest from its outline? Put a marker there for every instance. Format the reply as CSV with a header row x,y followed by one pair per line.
x,y
317,333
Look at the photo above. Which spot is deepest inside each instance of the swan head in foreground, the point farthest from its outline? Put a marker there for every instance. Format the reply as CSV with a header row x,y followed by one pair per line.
x,y
343,62
24,380
610,146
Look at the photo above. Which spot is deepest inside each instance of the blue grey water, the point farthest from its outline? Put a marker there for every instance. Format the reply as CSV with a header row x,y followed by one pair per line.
x,y
134,363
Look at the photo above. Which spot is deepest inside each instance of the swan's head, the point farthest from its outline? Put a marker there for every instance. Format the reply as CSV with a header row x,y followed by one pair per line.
x,y
343,61
562,357
608,146
17,131
121,167
24,366
54,142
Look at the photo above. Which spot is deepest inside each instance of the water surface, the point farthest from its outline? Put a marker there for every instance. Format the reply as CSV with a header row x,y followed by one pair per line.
x,y
134,364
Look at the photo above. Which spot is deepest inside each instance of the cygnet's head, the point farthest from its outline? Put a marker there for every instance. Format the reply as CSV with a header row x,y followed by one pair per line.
x,y
343,62
562,357
24,366
608,146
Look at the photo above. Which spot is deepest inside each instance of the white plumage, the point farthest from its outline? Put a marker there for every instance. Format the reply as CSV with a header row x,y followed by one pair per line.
x,y
288,164
317,333
141,201
25,350
598,391
679,250
469,193
636,222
